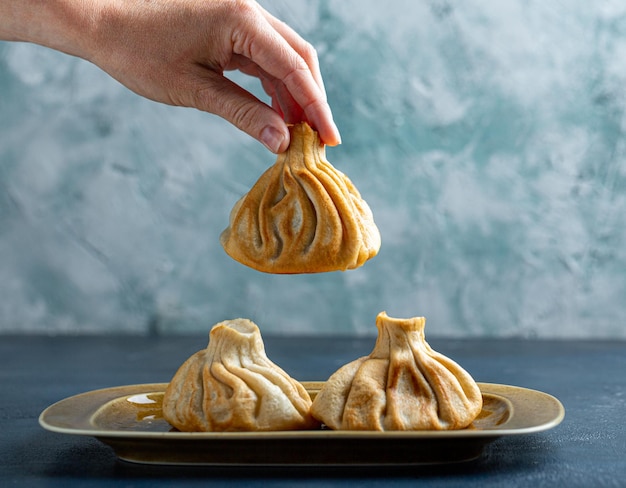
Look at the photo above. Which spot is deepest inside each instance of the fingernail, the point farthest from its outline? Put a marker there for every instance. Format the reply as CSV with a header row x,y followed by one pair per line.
x,y
272,138
338,134
333,126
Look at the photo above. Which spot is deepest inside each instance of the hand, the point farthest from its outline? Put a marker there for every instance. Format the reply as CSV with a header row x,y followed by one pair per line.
x,y
176,52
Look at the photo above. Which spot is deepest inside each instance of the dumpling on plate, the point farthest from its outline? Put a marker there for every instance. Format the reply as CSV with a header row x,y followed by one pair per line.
x,y
402,385
302,215
233,386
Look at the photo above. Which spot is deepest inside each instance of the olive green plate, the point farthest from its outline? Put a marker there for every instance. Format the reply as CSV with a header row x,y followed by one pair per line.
x,y
129,419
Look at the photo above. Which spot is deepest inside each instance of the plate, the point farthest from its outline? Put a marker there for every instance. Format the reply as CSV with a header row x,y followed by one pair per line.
x,y
129,419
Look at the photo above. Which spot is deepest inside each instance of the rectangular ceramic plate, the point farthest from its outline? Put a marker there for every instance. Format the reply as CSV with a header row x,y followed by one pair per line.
x,y
129,419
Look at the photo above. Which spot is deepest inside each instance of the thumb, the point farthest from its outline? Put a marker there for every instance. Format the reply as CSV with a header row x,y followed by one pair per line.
x,y
222,97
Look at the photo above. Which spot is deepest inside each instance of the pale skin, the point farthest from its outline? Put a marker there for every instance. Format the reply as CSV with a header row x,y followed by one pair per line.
x,y
176,52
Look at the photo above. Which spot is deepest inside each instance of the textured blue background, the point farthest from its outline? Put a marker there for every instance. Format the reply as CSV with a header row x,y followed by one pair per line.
x,y
487,137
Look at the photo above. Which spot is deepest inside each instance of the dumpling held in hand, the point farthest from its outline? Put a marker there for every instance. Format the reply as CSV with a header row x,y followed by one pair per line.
x,y
402,385
233,386
302,215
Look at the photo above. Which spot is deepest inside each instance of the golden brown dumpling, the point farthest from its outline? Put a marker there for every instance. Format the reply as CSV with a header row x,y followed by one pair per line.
x,y
302,215
402,385
233,386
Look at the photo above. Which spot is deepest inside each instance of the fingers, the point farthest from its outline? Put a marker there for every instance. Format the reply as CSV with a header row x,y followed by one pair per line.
x,y
282,101
302,47
269,45
216,94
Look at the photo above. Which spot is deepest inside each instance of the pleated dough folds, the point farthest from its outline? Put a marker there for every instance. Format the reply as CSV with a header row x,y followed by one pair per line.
x,y
302,215
402,385
233,386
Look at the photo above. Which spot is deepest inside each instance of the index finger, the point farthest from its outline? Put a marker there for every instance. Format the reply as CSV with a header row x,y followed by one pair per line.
x,y
263,45
302,47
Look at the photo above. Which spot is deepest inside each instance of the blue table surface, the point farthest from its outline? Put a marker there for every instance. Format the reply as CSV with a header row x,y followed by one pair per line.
x,y
587,449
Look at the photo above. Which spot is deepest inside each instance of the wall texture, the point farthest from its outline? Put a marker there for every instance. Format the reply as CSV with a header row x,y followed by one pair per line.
x,y
488,138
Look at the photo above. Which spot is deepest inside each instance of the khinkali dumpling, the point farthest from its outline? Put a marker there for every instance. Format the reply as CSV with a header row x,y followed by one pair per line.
x,y
402,385
233,386
302,215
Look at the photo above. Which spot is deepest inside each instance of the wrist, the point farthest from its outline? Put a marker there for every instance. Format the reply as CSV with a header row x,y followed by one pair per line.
x,y
63,25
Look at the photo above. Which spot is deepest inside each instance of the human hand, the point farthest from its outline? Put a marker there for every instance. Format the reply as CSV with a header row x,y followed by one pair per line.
x,y
176,52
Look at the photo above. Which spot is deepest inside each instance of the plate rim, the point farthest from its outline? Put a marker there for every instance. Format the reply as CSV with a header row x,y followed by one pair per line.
x,y
495,389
